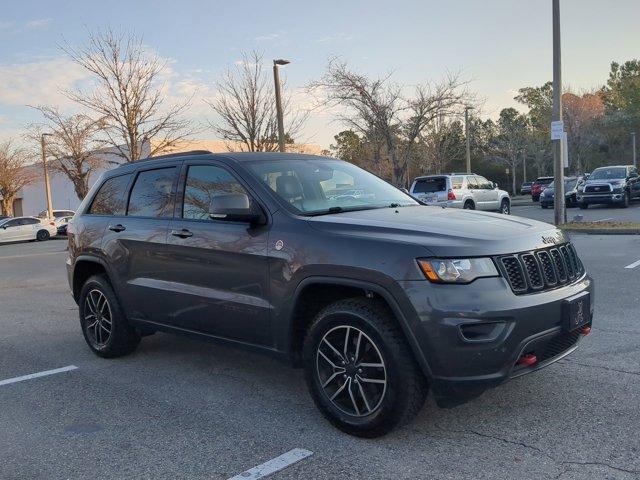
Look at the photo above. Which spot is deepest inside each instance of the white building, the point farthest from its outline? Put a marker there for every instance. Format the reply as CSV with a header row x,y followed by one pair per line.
x,y
32,199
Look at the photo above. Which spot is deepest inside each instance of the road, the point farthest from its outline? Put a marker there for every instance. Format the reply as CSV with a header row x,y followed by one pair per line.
x,y
595,213
178,408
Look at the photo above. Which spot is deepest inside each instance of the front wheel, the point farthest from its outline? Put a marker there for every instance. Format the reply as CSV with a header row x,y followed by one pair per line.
x,y
583,206
43,235
542,205
625,200
360,370
104,325
505,207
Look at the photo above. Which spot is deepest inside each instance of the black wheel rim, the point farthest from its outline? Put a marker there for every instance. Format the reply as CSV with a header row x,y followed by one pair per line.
x,y
351,371
97,318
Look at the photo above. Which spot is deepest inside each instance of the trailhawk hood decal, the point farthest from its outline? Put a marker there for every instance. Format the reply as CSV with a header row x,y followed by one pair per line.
x,y
444,231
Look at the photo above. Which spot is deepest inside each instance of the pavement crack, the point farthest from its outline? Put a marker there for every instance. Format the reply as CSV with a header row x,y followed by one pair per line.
x,y
573,362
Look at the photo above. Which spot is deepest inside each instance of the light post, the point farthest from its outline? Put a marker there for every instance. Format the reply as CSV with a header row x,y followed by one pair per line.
x,y
633,146
558,180
47,186
468,137
276,80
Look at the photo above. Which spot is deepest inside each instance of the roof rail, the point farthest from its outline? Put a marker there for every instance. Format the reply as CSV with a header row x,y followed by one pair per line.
x,y
177,154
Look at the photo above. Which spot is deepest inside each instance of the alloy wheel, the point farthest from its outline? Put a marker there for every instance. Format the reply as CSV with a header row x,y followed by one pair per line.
x,y
351,371
97,317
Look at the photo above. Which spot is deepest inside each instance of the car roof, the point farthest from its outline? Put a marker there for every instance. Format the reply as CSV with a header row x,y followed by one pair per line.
x,y
25,216
613,166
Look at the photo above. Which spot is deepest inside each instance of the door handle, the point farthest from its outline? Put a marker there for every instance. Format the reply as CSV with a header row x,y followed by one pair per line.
x,y
184,233
117,228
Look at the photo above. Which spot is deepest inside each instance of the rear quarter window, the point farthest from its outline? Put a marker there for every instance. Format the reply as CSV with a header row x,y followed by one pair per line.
x,y
428,185
111,197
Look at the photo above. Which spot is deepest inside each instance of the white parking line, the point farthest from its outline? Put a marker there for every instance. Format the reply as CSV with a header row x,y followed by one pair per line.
x,y
274,465
633,265
37,375
9,257
602,220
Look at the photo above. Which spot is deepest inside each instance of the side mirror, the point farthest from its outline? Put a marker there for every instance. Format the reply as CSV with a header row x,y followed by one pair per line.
x,y
494,185
234,207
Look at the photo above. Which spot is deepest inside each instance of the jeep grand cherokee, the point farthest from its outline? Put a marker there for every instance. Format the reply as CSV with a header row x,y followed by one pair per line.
x,y
377,297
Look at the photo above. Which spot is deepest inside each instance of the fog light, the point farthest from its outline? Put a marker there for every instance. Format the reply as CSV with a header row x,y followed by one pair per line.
x,y
527,360
585,330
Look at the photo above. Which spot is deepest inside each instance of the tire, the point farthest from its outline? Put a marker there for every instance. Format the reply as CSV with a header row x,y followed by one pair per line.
x,y
469,205
505,207
43,235
362,408
97,295
625,200
584,206
543,206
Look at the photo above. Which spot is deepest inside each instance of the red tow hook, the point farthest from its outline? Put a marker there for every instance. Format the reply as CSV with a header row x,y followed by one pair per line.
x,y
585,330
527,360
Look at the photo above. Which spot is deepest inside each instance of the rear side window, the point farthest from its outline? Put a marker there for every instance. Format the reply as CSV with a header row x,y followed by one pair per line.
x,y
456,183
151,195
428,185
30,221
203,183
111,198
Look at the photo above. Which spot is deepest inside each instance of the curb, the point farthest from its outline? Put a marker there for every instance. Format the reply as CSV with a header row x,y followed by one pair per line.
x,y
603,231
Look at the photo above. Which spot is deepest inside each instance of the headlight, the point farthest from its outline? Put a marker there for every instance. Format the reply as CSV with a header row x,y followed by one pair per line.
x,y
457,270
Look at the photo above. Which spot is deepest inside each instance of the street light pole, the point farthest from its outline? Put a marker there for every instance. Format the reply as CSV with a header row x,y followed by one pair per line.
x,y
280,115
47,185
558,181
633,145
468,137
524,166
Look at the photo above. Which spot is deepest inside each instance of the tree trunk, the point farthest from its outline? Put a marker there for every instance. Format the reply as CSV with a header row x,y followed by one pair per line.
x,y
6,204
513,177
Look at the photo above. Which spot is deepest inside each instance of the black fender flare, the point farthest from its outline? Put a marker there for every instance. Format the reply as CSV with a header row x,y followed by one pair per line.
x,y
384,293
93,259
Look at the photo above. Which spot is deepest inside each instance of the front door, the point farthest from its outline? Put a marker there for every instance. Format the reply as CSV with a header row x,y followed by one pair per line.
x,y
219,268
10,231
489,194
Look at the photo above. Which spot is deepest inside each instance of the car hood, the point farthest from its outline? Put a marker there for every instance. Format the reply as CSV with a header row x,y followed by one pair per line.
x,y
613,181
443,231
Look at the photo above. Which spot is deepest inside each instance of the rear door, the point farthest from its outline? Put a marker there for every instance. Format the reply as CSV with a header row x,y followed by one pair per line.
x,y
30,228
136,242
219,269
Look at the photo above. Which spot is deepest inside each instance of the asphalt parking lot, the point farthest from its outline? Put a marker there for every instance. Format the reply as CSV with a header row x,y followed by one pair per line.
x,y
595,213
178,408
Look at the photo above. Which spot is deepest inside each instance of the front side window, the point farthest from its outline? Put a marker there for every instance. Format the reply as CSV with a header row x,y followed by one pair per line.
x,y
151,195
111,197
203,183
318,186
472,183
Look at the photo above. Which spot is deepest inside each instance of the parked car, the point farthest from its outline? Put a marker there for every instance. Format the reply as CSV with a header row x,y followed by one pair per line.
x,y
461,190
615,185
378,297
538,186
570,193
525,188
62,225
57,215
25,228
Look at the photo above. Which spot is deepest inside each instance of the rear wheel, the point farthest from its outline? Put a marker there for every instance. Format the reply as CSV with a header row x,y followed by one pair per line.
x,y
360,370
469,205
43,235
104,326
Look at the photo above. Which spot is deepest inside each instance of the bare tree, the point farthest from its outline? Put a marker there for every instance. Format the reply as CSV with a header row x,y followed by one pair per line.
x,y
129,95
379,105
74,146
246,107
14,175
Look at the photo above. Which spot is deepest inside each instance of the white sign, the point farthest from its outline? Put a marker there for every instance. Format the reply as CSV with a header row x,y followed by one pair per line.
x,y
557,130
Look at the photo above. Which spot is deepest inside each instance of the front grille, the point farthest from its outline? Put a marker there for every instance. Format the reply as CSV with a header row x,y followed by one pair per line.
x,y
597,188
542,269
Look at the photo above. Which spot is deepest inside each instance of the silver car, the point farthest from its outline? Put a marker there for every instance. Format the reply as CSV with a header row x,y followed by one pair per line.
x,y
463,190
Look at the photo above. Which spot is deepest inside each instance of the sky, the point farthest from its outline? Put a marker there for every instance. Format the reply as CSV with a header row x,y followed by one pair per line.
x,y
498,45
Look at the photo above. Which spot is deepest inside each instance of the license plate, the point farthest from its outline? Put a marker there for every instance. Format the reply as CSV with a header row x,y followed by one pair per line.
x,y
431,198
576,312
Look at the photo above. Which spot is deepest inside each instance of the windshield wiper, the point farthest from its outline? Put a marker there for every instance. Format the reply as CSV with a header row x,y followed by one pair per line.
x,y
331,210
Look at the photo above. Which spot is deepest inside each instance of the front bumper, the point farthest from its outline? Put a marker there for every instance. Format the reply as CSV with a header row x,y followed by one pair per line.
x,y
601,198
463,366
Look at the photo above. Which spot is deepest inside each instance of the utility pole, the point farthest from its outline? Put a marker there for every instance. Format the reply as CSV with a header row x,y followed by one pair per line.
x,y
633,145
47,185
280,115
558,181
468,137
524,166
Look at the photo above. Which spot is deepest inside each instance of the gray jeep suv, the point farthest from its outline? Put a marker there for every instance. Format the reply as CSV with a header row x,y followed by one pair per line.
x,y
378,297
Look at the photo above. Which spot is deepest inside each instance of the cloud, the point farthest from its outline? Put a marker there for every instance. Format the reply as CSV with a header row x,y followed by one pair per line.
x,y
39,82
267,38
338,37
39,23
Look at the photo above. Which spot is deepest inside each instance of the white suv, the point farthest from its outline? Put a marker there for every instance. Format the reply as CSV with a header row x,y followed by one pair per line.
x,y
461,190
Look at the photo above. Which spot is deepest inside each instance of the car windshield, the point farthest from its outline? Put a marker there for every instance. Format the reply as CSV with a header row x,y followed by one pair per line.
x,y
613,173
323,185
